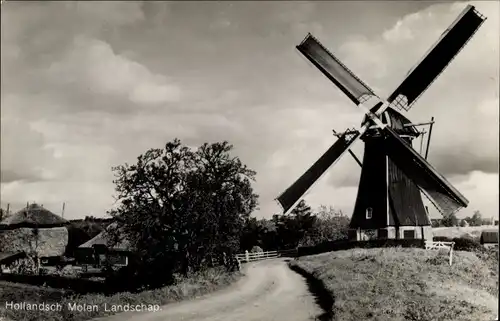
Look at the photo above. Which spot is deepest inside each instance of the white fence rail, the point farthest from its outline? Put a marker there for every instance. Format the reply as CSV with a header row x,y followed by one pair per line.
x,y
258,256
431,245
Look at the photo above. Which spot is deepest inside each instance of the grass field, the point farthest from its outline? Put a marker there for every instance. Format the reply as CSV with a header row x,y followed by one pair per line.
x,y
451,232
407,284
194,286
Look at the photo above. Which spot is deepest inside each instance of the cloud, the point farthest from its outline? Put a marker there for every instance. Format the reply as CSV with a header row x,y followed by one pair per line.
x,y
81,198
481,189
9,176
69,57
102,71
23,152
109,13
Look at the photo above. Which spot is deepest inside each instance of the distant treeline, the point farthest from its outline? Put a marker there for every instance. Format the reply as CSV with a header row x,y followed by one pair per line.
x,y
451,220
93,219
302,227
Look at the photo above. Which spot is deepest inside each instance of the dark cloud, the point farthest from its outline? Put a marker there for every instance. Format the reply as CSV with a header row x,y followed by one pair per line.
x,y
463,162
9,176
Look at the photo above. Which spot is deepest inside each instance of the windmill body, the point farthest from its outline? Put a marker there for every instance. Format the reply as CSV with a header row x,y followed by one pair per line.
x,y
389,202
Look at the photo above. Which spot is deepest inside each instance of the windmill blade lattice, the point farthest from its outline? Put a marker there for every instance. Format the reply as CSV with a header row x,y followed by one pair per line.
x,y
357,91
437,58
292,195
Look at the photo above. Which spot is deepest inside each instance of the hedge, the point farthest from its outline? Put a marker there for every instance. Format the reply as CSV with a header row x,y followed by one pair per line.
x,y
461,243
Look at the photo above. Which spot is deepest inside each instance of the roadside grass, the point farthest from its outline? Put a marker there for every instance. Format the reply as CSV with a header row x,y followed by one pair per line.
x,y
194,286
407,284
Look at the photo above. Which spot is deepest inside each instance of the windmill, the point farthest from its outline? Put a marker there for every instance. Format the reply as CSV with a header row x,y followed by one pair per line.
x,y
389,202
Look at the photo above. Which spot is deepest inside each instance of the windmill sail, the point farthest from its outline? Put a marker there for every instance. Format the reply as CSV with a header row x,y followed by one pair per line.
x,y
334,70
443,195
297,190
437,58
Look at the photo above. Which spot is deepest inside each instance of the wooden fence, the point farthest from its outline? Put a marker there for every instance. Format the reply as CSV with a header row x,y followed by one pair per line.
x,y
258,256
432,245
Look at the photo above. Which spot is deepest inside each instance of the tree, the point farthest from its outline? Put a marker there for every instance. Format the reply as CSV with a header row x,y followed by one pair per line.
x,y
487,221
76,237
260,233
292,228
476,219
251,234
3,214
179,207
436,222
331,225
302,209
449,220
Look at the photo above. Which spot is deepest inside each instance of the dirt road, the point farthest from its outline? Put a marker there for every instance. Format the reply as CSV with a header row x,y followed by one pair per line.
x,y
270,291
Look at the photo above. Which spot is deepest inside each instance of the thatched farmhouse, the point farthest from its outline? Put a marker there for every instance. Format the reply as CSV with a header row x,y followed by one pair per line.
x,y
109,246
35,231
110,237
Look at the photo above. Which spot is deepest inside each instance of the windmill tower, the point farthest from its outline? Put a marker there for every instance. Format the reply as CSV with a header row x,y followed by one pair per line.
x,y
389,202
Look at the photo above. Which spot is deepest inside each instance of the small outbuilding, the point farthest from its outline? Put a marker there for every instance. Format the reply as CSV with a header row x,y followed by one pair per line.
x,y
489,237
109,246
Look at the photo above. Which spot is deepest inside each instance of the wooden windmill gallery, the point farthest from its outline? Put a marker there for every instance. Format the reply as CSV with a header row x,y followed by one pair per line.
x,y
393,175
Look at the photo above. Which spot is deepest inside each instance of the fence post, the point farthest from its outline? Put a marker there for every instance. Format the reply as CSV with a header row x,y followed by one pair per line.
x,y
451,253
238,263
247,256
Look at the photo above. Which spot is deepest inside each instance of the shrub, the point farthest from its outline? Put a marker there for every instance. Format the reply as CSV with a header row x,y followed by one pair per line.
x,y
461,243
256,249
467,244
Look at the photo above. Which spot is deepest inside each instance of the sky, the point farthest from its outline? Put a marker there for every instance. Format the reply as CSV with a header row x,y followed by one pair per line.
x,y
90,85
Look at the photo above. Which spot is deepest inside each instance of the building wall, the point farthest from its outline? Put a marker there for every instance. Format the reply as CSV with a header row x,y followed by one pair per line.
x,y
406,206
393,198
48,241
372,189
428,235
392,233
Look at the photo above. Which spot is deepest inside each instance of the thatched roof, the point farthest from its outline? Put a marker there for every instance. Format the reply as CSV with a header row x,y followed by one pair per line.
x,y
106,238
33,216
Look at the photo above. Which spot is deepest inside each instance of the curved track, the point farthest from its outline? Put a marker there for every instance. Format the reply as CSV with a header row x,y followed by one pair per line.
x,y
269,291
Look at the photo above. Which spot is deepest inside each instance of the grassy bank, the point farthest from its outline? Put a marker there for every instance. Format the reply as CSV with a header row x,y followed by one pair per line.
x,y
407,284
185,289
